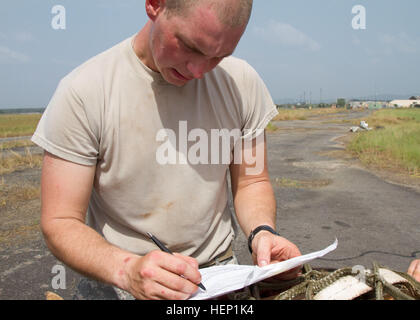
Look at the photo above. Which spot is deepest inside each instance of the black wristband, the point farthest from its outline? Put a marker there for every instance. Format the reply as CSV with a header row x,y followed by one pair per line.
x,y
255,231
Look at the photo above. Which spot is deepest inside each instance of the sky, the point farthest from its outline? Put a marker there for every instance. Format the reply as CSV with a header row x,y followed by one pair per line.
x,y
317,50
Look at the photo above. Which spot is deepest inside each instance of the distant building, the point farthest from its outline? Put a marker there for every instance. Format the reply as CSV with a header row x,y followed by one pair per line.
x,y
358,104
404,103
377,105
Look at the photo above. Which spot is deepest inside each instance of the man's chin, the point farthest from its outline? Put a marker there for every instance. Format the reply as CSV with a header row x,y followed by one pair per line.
x,y
176,83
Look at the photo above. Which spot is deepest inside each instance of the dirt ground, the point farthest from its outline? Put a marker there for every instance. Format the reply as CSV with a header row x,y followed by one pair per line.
x,y
322,194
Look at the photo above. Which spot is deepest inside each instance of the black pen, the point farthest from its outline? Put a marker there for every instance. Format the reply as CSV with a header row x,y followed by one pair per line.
x,y
163,248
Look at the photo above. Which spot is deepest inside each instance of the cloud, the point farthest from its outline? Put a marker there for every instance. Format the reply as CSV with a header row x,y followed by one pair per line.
x,y
18,36
286,35
9,55
401,42
23,36
388,46
355,40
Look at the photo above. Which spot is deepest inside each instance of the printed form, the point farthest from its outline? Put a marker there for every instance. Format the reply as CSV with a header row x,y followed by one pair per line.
x,y
220,280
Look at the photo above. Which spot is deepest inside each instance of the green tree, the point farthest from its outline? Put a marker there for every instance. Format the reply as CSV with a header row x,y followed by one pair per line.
x,y
341,103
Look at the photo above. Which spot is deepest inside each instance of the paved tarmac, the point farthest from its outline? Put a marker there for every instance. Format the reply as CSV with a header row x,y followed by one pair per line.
x,y
319,198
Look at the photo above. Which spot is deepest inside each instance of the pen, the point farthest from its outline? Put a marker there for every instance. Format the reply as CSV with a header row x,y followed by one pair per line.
x,y
163,248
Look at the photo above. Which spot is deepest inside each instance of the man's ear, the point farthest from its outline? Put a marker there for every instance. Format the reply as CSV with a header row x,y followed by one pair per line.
x,y
154,7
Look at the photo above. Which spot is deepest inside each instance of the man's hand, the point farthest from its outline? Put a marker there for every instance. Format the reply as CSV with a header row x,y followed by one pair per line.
x,y
414,269
268,248
159,275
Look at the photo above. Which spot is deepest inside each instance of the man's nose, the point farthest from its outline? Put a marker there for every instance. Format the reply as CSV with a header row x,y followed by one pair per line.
x,y
198,67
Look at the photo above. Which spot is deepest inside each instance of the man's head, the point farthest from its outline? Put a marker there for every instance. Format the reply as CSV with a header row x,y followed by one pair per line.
x,y
230,13
188,38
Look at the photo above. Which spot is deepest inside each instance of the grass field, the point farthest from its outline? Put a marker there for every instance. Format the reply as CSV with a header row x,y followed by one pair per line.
x,y
16,125
15,144
11,161
13,194
303,114
393,144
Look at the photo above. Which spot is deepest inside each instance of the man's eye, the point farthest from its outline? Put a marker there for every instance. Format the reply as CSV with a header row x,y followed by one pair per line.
x,y
189,49
185,46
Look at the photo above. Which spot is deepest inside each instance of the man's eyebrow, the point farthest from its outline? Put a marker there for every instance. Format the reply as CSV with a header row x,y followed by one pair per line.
x,y
194,48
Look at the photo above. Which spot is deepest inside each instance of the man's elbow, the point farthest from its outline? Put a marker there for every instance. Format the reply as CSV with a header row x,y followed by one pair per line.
x,y
54,228
49,230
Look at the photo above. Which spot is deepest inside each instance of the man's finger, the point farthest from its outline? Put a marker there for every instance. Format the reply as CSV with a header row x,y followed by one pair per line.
x,y
191,261
414,269
263,251
175,283
161,291
180,266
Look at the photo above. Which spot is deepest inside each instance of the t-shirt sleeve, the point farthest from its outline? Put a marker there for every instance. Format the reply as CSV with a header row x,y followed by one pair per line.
x,y
258,106
65,129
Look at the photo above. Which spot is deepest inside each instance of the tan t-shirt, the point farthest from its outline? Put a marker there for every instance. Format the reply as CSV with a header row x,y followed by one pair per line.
x,y
115,113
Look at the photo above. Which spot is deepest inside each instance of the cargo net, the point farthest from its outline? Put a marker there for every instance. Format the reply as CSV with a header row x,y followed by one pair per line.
x,y
380,283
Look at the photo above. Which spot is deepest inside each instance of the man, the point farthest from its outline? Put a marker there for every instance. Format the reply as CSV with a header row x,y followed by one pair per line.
x,y
103,132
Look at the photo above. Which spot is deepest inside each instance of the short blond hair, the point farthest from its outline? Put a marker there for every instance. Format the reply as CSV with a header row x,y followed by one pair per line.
x,y
232,13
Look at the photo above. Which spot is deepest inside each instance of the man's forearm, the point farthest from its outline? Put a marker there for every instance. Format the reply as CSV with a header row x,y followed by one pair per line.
x,y
255,205
85,251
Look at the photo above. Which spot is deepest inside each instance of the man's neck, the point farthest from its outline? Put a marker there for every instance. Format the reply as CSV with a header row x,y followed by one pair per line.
x,y
141,46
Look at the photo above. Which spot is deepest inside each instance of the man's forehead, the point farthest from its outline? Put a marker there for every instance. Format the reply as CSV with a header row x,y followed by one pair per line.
x,y
208,43
210,49
206,33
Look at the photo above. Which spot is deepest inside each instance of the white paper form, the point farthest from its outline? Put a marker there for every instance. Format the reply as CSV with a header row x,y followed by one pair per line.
x,y
220,280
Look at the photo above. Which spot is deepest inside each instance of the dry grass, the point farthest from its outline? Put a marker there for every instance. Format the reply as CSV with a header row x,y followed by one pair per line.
x,y
19,233
19,208
292,114
16,125
15,144
271,127
301,184
12,195
11,161
303,114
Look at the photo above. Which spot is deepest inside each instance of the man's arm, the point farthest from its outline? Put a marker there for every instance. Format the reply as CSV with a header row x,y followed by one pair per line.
x,y
65,191
255,205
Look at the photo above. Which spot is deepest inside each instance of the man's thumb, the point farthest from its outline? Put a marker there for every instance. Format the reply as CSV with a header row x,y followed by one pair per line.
x,y
263,251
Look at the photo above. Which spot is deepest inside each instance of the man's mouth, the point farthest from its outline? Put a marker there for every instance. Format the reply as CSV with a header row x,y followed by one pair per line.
x,y
180,76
